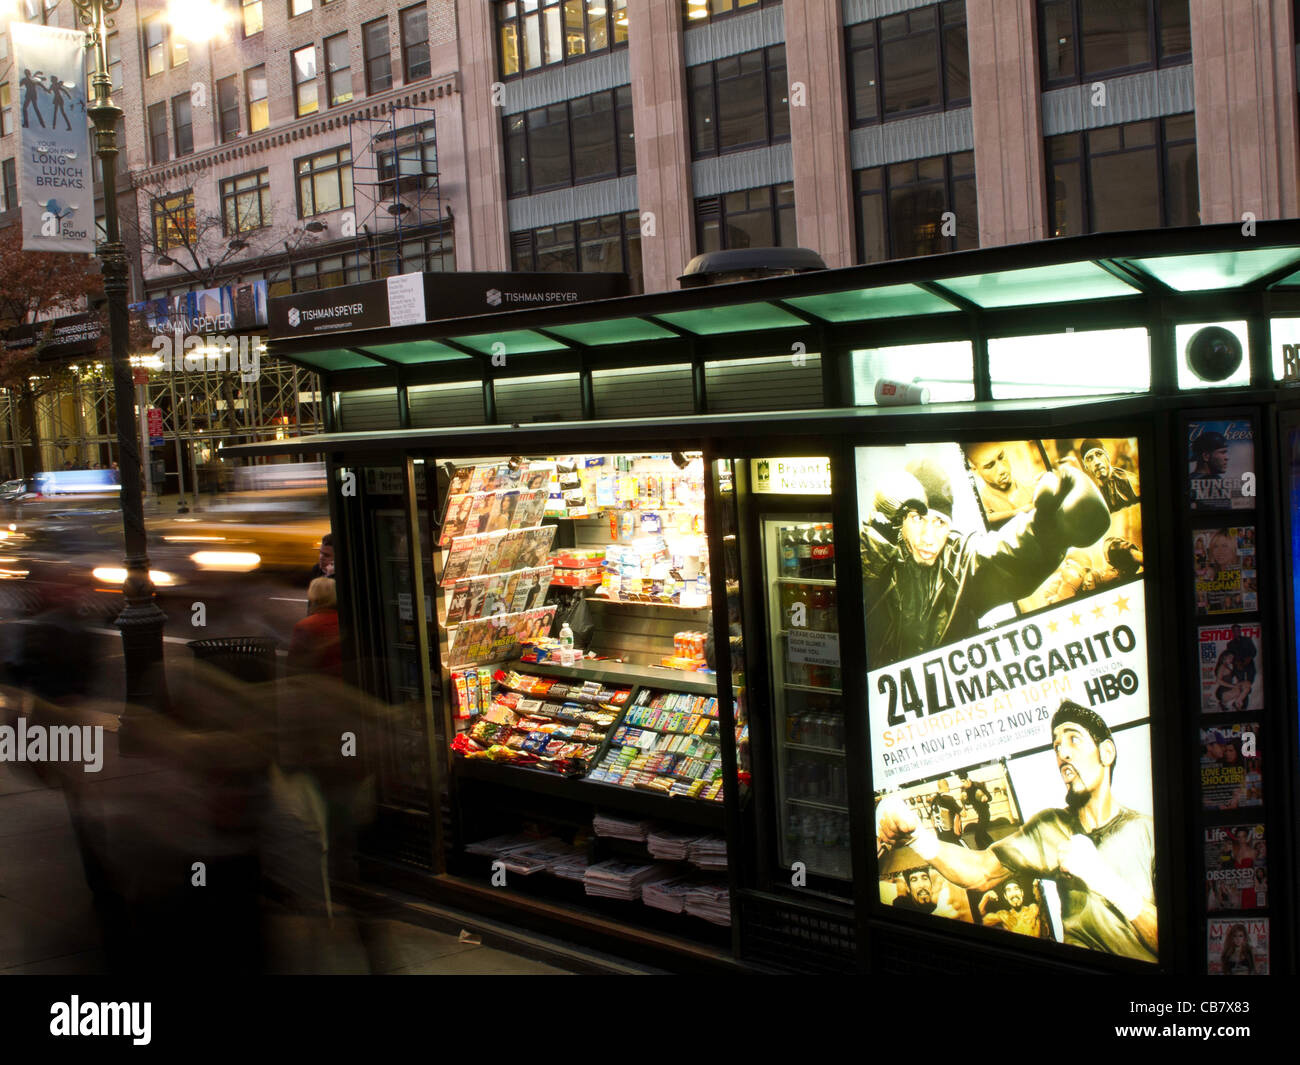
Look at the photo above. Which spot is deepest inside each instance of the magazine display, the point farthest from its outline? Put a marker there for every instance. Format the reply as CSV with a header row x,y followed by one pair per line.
x,y
1226,578
1236,868
1236,948
1232,678
1221,465
1231,774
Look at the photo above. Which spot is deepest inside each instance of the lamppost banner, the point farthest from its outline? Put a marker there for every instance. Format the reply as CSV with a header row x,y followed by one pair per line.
x,y
55,185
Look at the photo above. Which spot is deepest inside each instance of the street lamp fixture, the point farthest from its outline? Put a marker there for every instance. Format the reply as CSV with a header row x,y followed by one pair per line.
x,y
141,620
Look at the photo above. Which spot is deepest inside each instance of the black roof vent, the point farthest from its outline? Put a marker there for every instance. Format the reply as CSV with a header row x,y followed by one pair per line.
x,y
745,264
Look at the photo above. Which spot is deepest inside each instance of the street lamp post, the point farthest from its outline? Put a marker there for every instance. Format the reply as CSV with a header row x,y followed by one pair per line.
x,y
141,620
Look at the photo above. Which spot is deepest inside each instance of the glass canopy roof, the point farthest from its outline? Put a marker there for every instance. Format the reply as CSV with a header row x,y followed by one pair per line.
x,y
858,294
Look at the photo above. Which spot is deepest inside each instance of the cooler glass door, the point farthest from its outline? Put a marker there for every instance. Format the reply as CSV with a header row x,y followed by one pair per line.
x,y
808,715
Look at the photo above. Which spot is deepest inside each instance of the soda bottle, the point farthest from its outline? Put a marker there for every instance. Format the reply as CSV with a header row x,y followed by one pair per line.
x,y
804,545
828,542
789,553
831,616
817,614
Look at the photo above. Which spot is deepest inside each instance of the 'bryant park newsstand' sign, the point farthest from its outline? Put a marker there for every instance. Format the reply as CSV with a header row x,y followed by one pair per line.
x,y
397,300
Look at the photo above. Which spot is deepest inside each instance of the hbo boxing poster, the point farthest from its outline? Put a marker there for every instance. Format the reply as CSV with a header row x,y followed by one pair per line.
x,y
1007,687
55,185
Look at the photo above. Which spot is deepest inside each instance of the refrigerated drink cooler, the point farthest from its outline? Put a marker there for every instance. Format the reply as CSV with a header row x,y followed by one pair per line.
x,y
798,554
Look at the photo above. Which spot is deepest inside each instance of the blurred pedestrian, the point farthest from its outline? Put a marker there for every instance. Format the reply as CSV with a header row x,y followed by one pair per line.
x,y
314,645
325,562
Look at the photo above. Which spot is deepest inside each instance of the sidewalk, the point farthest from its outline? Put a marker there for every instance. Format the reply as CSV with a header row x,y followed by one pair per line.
x,y
48,923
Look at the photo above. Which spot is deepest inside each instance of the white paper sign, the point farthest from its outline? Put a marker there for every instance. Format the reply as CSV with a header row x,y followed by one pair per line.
x,y
815,648
406,299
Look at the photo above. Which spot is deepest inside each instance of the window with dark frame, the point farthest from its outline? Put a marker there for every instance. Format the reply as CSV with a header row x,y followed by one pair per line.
x,y
751,218
9,183
338,69
228,107
739,102
609,244
246,202
534,34
589,138
252,12
174,224
919,207
113,48
306,97
1082,39
155,44
324,182
159,150
378,56
259,113
702,12
408,160
1139,175
414,22
6,110
908,63
182,124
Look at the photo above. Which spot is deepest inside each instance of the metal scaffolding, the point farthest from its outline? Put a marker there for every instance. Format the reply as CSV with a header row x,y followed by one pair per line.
x,y
202,411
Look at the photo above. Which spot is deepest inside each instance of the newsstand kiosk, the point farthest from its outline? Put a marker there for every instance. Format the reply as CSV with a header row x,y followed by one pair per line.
x,y
933,616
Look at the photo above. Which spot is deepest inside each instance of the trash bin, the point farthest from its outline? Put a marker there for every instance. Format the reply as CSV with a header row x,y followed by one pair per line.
x,y
251,659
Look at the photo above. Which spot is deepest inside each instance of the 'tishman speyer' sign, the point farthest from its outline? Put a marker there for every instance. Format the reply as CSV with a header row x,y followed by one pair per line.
x,y
378,304
54,181
1007,687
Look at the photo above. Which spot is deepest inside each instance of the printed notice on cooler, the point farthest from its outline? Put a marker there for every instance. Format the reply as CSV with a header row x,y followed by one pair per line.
x,y
406,299
815,648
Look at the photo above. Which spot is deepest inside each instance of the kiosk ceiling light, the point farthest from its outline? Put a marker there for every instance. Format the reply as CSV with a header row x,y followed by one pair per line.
x,y
613,331
738,318
515,341
415,353
1221,269
1060,283
888,301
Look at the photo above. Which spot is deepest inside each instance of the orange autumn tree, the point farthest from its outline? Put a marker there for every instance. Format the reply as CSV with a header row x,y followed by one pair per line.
x,y
34,287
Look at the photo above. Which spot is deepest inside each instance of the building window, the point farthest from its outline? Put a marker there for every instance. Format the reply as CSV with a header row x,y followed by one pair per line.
x,y
182,124
585,139
158,150
299,7
610,244
228,107
702,12
9,185
6,110
739,102
415,43
324,182
407,160
114,49
537,33
1136,176
379,67
338,69
173,221
259,115
252,17
303,64
246,202
908,63
179,49
1081,39
754,218
901,208
155,45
